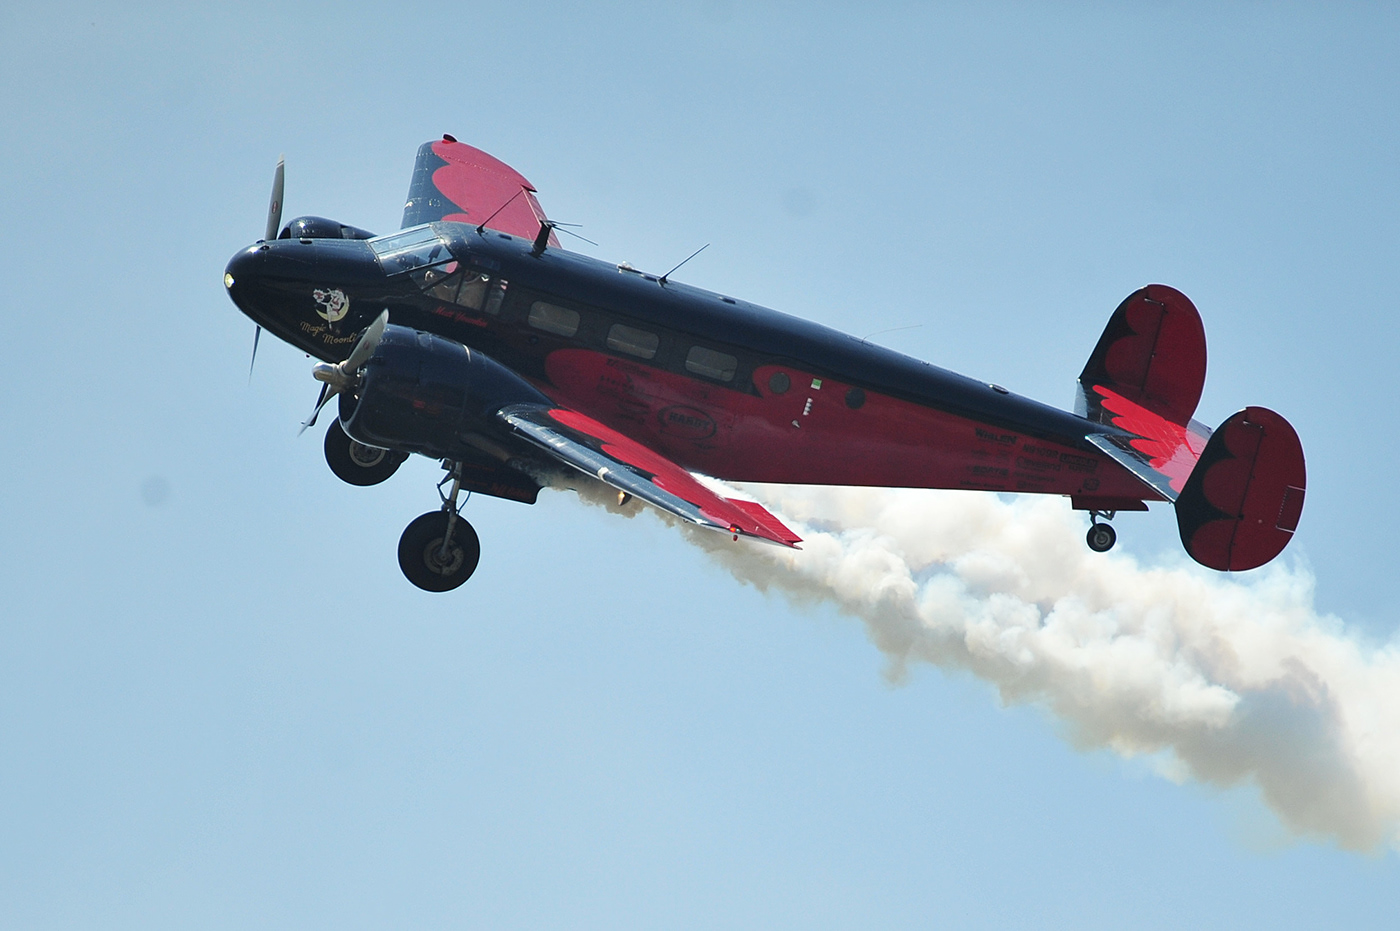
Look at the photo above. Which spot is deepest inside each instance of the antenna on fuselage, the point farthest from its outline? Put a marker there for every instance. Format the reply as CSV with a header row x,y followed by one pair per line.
x,y
481,228
553,226
664,278
893,329
542,238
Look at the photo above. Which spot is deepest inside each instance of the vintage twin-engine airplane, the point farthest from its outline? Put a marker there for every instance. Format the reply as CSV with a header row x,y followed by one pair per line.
x,y
471,337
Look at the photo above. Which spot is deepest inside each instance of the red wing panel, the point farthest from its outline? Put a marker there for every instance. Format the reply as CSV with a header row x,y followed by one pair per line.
x,y
761,518
1153,352
457,182
1241,505
622,462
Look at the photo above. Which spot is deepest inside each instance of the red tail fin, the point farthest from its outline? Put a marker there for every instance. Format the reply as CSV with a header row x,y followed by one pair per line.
x,y
1153,353
1239,508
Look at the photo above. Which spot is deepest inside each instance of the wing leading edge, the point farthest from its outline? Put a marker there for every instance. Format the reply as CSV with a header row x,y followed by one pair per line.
x,y
625,464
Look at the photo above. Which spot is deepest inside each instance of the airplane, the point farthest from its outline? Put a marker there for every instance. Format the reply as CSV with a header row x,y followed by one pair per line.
x,y
470,336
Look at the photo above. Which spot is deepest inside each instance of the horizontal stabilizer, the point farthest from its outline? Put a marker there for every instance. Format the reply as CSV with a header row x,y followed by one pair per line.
x,y
625,464
1241,504
1161,454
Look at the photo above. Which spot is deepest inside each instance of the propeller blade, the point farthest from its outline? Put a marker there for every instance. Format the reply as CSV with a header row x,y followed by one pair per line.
x,y
367,344
335,377
274,207
326,395
257,334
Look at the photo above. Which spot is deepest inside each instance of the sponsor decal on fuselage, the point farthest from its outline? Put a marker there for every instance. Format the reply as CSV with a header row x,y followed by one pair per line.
x,y
687,422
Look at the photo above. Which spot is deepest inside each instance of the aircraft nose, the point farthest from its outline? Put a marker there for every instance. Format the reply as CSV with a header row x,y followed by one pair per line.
x,y
241,272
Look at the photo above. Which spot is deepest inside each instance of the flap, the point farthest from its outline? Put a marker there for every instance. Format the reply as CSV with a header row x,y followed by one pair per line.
x,y
627,465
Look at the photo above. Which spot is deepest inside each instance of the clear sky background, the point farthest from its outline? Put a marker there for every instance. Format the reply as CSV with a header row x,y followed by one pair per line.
x,y
222,706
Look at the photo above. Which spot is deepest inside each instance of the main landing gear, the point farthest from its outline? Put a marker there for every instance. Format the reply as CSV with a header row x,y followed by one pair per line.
x,y
1101,537
357,463
439,550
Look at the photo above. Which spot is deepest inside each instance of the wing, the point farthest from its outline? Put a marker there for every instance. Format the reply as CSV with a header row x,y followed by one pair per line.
x,y
456,182
627,465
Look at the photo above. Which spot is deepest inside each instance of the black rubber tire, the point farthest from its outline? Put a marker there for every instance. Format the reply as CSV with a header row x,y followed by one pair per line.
x,y
1101,538
356,463
419,549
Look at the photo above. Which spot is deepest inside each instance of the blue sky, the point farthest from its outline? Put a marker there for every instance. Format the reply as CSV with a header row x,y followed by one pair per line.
x,y
221,704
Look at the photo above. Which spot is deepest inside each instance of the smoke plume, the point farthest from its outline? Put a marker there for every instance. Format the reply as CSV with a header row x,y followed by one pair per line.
x,y
1223,679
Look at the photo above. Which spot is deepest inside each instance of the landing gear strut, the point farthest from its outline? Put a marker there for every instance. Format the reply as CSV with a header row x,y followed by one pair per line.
x,y
1101,537
439,550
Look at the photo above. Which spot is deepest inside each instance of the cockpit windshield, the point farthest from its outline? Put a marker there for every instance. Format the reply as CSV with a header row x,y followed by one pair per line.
x,y
409,249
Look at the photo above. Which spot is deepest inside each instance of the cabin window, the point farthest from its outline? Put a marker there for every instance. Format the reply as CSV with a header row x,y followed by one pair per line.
x,y
633,341
553,319
711,364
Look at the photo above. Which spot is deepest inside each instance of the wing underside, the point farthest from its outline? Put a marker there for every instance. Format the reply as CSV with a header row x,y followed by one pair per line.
x,y
590,447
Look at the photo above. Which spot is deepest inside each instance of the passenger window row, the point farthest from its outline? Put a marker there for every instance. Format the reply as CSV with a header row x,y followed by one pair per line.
x,y
480,291
643,344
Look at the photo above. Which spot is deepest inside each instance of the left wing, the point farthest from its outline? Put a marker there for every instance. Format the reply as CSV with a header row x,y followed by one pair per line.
x,y
625,464
457,182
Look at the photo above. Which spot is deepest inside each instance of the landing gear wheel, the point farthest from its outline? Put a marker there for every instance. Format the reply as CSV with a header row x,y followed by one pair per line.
x,y
429,564
1101,538
357,463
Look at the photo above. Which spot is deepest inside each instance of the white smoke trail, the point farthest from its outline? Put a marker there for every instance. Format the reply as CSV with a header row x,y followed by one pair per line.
x,y
1230,679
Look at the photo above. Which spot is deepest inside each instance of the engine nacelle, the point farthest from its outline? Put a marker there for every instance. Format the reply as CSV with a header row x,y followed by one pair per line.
x,y
423,393
322,228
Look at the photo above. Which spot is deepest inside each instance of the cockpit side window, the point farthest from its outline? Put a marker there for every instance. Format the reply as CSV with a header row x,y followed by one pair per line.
x,y
473,289
441,281
408,249
481,291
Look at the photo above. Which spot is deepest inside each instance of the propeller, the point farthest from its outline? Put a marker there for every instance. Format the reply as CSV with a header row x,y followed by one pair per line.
x,y
274,207
274,222
336,377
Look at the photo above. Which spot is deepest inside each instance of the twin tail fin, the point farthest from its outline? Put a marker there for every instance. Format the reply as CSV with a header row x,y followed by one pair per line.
x,y
1238,490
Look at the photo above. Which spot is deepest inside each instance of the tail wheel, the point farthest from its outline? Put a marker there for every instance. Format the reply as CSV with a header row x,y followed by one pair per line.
x,y
439,551
357,463
1101,538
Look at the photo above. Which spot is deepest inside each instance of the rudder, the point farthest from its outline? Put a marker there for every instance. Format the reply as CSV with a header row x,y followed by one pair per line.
x,y
1242,502
1153,353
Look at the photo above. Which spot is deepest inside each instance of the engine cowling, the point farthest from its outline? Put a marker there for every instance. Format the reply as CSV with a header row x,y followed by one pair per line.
x,y
423,393
322,228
